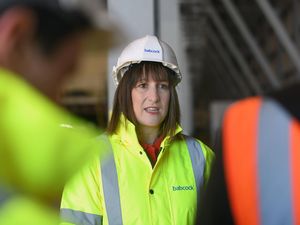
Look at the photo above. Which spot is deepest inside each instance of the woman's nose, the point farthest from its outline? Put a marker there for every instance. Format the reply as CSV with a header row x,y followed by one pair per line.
x,y
153,94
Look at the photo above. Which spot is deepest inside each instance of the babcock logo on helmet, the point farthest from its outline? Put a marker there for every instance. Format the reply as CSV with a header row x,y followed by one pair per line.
x,y
151,50
183,188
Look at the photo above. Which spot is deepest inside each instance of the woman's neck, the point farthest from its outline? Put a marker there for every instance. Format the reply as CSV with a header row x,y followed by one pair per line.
x,y
147,134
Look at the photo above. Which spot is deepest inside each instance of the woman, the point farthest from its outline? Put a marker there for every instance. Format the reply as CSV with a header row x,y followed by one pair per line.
x,y
155,172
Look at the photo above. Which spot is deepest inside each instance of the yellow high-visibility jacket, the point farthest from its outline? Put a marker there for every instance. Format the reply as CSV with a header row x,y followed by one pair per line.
x,y
126,189
37,154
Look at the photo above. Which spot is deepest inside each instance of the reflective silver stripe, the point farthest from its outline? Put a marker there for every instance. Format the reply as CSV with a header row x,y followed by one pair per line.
x,y
111,188
197,158
274,171
79,218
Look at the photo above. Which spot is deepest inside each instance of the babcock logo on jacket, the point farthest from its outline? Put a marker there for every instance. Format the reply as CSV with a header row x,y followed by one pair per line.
x,y
151,50
183,188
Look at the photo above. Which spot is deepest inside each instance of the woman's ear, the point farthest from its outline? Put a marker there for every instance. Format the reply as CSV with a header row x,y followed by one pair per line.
x,y
17,28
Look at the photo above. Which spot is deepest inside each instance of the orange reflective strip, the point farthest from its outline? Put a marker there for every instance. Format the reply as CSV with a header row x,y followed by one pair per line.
x,y
240,160
295,169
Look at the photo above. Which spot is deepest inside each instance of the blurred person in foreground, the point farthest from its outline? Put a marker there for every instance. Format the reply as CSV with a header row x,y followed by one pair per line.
x,y
155,172
41,42
256,179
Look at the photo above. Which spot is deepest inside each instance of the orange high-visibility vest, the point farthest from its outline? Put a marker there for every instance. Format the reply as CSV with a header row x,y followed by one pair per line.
x,y
262,163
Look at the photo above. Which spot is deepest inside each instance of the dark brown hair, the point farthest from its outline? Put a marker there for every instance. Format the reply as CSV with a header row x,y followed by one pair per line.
x,y
123,101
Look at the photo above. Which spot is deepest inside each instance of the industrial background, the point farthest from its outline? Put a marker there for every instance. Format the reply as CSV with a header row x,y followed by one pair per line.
x,y
227,50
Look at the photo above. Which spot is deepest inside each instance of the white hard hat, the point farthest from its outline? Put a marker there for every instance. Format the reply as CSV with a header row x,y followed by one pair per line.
x,y
148,48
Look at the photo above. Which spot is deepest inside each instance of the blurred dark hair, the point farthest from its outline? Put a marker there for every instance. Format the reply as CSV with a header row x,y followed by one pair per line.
x,y
53,26
123,101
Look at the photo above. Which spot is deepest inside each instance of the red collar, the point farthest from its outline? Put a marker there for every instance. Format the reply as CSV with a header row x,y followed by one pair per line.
x,y
152,150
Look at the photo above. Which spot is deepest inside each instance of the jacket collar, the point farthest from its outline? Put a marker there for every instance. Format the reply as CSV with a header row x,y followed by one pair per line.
x,y
126,133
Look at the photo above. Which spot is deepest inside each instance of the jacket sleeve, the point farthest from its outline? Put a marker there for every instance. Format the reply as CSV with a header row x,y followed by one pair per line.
x,y
82,197
209,160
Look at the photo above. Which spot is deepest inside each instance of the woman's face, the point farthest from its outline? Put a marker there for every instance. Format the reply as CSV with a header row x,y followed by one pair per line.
x,y
150,101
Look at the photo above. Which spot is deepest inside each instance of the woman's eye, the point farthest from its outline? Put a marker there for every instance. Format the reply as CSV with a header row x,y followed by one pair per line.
x,y
164,86
142,85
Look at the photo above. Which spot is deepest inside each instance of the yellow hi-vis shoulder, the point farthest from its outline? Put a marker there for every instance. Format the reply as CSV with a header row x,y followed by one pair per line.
x,y
37,153
126,189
